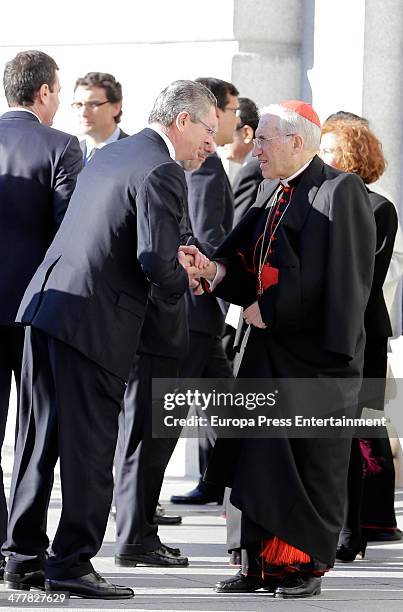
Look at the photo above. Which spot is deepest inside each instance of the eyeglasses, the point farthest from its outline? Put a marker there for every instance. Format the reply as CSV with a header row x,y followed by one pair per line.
x,y
236,111
209,129
261,142
92,105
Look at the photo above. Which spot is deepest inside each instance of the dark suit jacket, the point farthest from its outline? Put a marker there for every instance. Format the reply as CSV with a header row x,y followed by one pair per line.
x,y
118,243
245,188
377,323
211,213
38,171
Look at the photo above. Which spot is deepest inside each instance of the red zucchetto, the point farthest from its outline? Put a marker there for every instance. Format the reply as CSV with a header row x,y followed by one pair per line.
x,y
302,108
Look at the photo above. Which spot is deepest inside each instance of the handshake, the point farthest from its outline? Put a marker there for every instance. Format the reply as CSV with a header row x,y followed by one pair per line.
x,y
197,266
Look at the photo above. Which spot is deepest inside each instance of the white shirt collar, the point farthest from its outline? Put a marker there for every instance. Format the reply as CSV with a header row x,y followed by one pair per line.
x,y
171,148
22,108
90,144
284,182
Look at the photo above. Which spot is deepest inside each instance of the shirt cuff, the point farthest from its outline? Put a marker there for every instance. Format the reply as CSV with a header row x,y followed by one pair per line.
x,y
219,276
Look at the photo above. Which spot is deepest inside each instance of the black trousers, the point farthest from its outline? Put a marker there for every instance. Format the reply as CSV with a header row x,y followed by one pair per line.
x,y
206,359
141,460
11,345
69,408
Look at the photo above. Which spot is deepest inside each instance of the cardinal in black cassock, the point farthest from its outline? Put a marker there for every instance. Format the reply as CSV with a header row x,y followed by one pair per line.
x,y
300,263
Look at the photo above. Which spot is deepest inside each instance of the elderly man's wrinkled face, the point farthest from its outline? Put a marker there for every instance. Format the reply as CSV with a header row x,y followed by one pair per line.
x,y
273,149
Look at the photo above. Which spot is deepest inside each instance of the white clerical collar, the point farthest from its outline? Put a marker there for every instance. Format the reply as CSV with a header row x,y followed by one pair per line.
x,y
90,144
285,182
25,109
171,148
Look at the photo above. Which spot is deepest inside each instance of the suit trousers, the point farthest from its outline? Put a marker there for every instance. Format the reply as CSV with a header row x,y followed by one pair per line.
x,y
69,408
11,345
205,359
141,460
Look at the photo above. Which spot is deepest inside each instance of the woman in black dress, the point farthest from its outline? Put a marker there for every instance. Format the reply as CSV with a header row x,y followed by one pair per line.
x,y
349,144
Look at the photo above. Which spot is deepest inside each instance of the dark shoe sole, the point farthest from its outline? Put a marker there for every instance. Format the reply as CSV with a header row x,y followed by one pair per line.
x,y
135,563
82,596
234,592
167,520
18,586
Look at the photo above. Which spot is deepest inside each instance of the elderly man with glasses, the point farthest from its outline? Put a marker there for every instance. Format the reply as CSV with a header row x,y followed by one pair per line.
x,y
300,263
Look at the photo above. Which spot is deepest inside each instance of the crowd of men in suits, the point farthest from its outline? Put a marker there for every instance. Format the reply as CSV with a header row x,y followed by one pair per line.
x,y
108,249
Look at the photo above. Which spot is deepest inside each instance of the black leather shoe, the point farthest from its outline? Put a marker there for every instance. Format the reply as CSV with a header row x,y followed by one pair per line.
x,y
382,535
160,518
161,557
299,586
346,553
245,584
173,551
197,496
91,586
25,581
2,566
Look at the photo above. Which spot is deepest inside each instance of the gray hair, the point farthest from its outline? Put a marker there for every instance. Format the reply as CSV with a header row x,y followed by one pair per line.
x,y
182,96
291,122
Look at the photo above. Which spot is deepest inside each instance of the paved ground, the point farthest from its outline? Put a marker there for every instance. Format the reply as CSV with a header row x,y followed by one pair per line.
x,y
373,584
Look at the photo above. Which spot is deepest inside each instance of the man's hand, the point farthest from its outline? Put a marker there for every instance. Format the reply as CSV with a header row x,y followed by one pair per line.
x,y
253,317
194,256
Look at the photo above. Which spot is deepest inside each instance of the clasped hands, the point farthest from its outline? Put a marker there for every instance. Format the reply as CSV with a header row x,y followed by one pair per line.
x,y
197,266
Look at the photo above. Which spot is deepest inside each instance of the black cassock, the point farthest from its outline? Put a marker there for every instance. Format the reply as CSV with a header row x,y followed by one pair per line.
x,y
294,488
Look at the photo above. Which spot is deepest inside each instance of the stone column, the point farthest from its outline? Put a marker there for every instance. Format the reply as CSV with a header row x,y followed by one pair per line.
x,y
269,65
383,101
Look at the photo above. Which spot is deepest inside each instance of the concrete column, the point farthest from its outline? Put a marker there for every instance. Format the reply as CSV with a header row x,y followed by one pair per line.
x,y
383,87
383,101
268,66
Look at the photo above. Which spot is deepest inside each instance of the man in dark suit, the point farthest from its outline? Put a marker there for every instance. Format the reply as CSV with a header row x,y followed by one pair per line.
x,y
85,307
141,459
38,170
98,102
249,176
302,269
246,182
211,212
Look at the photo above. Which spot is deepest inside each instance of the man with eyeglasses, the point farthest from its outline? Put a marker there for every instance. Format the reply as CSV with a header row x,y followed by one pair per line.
x,y
98,103
211,212
300,263
249,176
